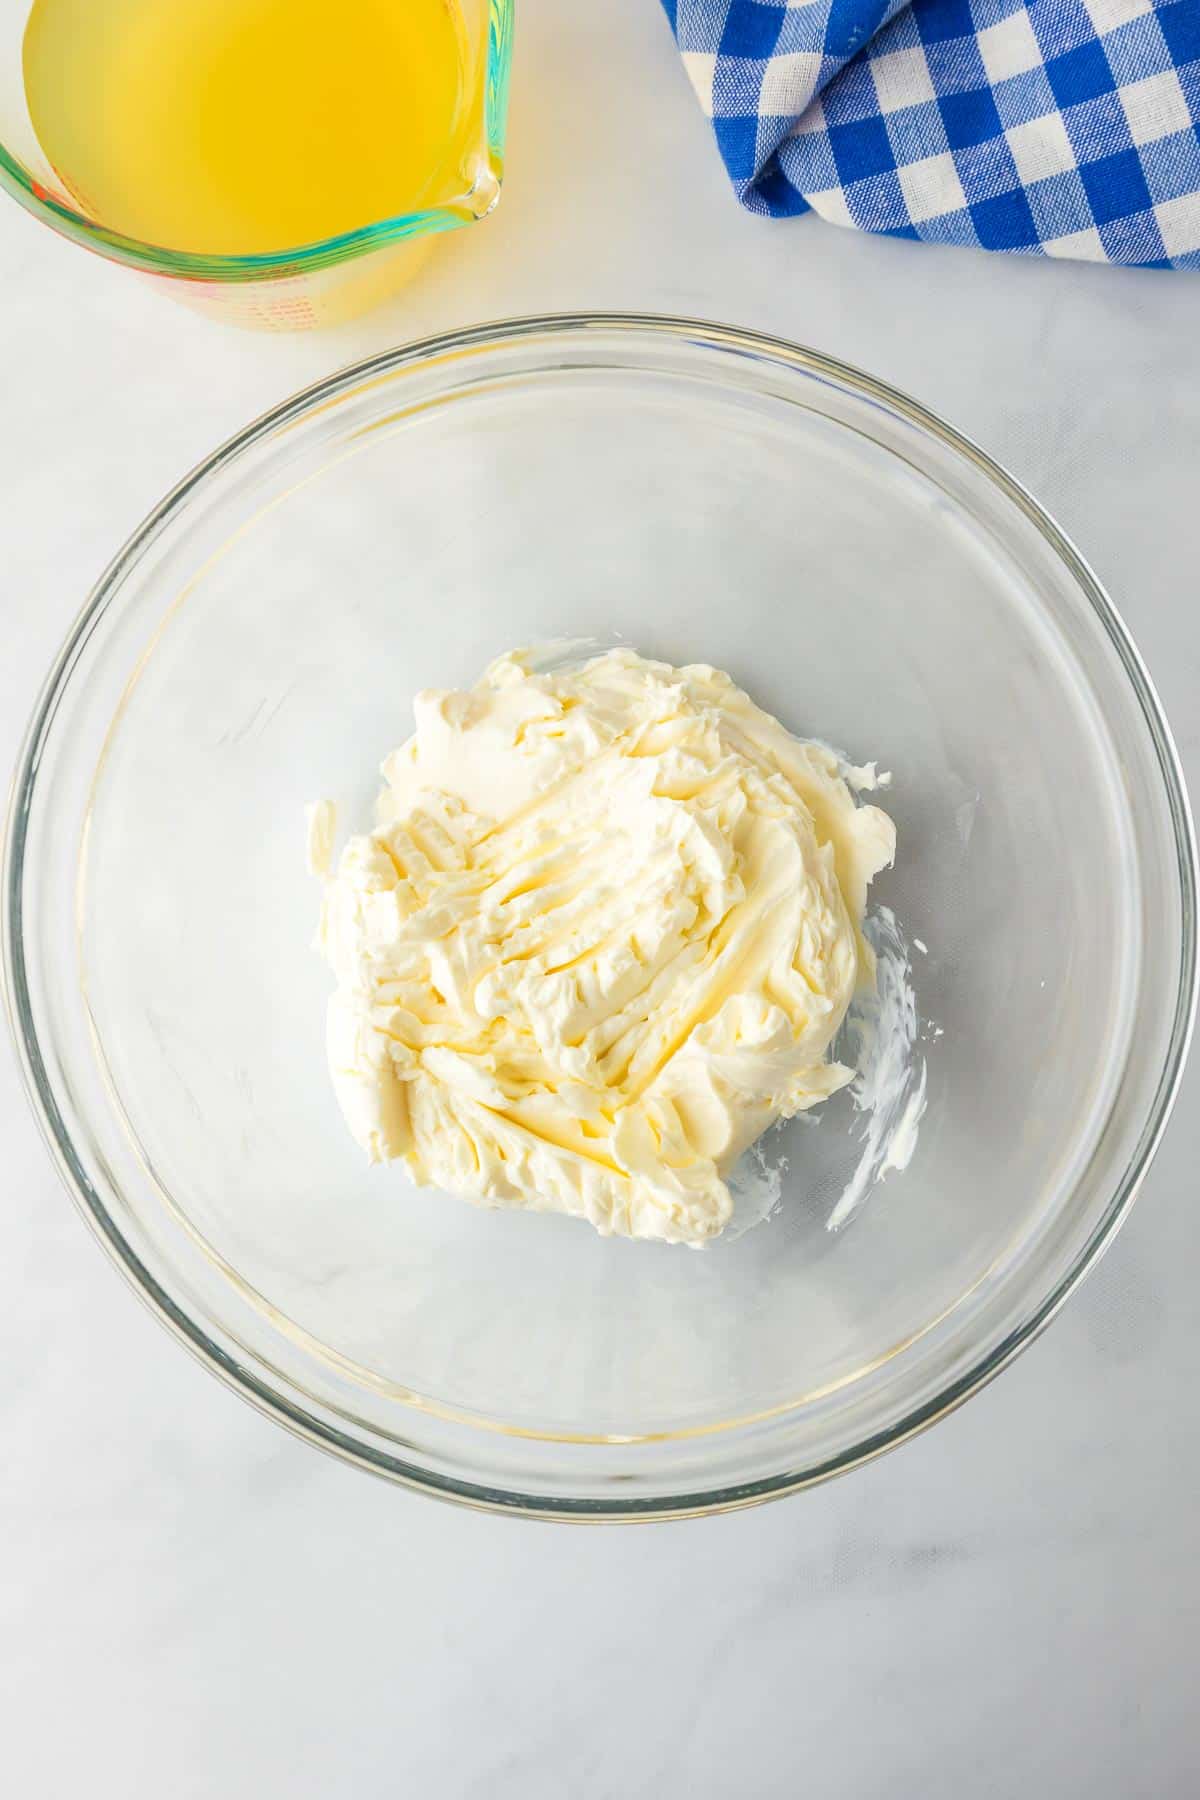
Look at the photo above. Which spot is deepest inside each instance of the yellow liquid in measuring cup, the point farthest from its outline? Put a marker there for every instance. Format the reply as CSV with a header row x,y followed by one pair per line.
x,y
248,126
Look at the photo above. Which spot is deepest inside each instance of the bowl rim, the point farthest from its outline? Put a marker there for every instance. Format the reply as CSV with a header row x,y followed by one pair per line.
x,y
39,1088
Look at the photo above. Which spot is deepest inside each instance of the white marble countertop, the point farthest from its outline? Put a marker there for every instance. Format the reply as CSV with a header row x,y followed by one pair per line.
x,y
193,1604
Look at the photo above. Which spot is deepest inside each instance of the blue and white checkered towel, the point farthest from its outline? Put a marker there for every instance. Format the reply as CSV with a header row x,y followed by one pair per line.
x,y
1046,127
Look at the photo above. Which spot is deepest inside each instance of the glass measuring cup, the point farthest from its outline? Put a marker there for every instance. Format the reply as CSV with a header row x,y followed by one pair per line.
x,y
305,285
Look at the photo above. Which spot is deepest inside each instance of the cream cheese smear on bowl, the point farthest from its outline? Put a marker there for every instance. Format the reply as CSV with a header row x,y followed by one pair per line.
x,y
604,933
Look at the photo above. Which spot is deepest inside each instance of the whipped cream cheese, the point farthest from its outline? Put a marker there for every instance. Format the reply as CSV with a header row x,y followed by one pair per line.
x,y
603,934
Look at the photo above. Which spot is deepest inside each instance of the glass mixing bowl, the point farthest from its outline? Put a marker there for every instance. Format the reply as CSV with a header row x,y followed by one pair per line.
x,y
711,495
